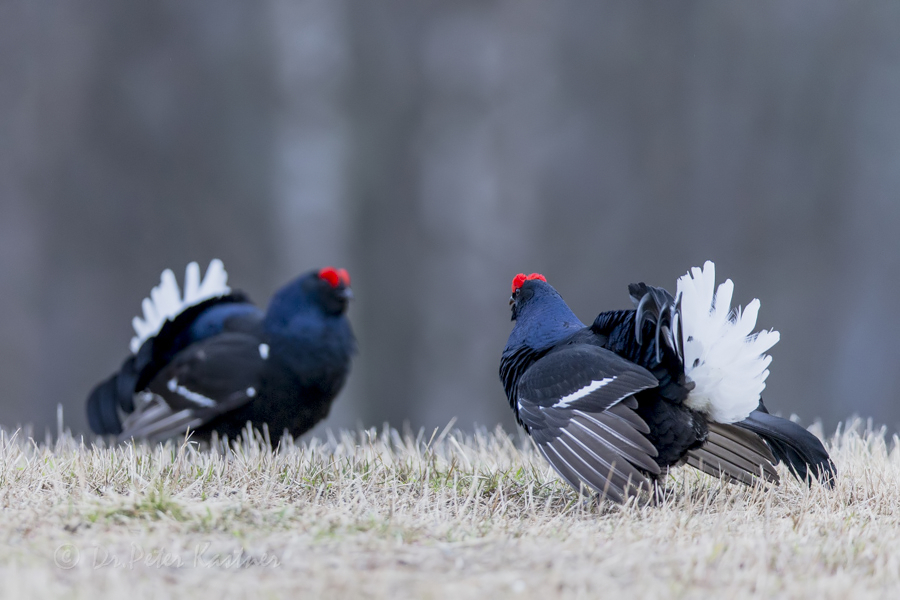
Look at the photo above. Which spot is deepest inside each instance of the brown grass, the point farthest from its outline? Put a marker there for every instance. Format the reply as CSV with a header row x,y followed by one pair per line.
x,y
380,515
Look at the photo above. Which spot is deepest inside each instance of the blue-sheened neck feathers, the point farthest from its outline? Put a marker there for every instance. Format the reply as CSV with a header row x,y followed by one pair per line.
x,y
287,303
543,319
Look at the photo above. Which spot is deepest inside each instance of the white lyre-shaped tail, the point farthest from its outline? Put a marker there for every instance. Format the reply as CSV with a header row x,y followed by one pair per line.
x,y
722,355
166,302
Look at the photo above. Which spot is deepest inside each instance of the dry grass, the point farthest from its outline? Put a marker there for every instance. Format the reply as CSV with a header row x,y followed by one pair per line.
x,y
380,515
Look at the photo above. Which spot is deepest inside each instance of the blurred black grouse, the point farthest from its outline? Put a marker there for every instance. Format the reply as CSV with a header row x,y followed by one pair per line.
x,y
640,391
212,361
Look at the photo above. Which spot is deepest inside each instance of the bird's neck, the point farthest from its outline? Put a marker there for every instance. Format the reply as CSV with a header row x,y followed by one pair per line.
x,y
289,306
544,324
311,342
297,321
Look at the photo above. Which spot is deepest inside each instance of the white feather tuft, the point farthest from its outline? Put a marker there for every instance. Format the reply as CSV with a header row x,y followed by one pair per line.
x,y
166,302
722,355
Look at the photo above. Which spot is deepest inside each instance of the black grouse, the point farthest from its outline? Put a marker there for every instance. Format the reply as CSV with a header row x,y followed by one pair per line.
x,y
212,361
614,405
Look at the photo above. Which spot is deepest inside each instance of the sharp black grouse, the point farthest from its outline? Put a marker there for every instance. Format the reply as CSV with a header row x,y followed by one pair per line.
x,y
615,404
212,361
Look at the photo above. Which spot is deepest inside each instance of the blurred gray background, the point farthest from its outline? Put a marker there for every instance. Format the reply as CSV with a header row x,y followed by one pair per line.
x,y
436,150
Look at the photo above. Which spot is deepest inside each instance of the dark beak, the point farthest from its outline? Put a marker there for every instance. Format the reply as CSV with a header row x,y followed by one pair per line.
x,y
347,294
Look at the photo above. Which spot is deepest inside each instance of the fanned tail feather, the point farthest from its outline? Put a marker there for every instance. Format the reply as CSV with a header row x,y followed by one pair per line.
x,y
166,301
656,307
722,355
793,445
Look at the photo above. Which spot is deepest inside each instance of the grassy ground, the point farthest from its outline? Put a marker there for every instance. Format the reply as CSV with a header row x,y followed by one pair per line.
x,y
380,515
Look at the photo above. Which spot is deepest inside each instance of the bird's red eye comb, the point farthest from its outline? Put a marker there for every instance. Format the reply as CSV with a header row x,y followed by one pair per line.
x,y
521,278
335,277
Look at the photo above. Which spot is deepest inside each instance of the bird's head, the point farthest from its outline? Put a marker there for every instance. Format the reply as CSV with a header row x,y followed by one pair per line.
x,y
330,288
523,290
325,292
541,315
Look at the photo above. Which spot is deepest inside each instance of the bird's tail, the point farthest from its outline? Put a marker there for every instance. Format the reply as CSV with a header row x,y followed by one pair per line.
x,y
167,312
793,445
657,315
723,356
110,399
649,336
166,300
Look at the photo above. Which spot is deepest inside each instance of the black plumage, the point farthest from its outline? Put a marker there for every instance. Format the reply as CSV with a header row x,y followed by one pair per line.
x,y
607,403
223,362
791,444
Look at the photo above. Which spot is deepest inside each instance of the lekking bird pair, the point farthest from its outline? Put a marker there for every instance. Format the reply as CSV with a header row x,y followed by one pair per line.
x,y
612,406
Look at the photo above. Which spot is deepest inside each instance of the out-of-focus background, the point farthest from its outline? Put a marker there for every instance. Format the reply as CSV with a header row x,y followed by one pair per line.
x,y
435,150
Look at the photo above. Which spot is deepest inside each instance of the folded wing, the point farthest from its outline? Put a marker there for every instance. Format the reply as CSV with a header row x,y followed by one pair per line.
x,y
577,402
205,380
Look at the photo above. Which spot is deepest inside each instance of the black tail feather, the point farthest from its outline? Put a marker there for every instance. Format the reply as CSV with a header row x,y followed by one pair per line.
x,y
101,408
111,396
649,336
793,445
656,311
